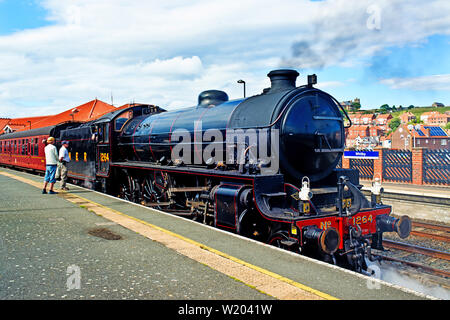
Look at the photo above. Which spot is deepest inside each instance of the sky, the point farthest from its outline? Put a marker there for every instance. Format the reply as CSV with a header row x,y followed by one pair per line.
x,y
58,54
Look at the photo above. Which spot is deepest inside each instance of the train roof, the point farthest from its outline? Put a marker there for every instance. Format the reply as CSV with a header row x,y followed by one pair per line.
x,y
111,115
40,131
27,133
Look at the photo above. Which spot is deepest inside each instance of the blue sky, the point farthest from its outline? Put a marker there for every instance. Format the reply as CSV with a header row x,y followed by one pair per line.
x,y
58,54
17,15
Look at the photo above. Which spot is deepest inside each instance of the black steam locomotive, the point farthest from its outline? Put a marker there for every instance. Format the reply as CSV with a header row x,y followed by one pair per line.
x,y
264,167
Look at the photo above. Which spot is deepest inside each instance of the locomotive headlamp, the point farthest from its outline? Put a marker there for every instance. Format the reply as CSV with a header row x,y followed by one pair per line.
x,y
376,191
305,193
376,187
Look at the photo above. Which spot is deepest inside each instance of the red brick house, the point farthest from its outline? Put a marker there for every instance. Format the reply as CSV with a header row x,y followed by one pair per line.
x,y
407,117
431,137
383,119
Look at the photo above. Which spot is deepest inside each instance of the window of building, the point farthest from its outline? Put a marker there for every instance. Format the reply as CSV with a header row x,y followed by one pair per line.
x,y
443,142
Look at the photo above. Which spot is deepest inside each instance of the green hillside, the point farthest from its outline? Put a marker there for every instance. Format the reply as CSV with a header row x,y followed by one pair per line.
x,y
417,111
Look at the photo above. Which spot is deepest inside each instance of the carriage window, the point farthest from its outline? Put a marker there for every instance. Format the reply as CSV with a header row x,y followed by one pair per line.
x,y
36,147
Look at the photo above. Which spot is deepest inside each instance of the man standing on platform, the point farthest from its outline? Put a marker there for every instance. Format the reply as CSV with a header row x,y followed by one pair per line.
x,y
64,159
51,162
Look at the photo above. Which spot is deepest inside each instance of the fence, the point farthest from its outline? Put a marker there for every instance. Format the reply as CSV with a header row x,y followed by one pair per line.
x,y
419,166
436,166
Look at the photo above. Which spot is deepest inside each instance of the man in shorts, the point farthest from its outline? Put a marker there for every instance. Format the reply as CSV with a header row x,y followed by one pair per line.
x,y
51,162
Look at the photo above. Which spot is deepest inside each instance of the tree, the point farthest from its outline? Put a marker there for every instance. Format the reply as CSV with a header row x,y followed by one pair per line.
x,y
385,108
411,107
416,121
394,124
356,106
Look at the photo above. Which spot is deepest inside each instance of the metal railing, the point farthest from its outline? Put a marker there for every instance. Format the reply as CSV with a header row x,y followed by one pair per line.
x,y
436,166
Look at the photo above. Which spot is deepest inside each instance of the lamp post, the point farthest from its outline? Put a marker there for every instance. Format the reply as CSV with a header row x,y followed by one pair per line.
x,y
74,111
243,82
29,123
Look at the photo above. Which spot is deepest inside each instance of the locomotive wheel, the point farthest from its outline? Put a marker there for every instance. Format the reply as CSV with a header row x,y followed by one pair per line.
x,y
129,190
124,192
251,226
151,193
148,193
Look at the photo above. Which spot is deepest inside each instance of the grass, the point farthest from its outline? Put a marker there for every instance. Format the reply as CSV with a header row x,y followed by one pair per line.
x,y
417,111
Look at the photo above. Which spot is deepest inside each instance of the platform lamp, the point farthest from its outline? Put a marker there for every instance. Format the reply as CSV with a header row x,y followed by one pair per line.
x,y
29,123
74,111
243,82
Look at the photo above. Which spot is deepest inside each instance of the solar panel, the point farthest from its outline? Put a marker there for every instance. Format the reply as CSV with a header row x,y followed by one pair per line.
x,y
436,131
420,133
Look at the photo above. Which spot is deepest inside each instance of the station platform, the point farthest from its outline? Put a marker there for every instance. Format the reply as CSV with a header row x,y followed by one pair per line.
x,y
410,189
51,248
426,202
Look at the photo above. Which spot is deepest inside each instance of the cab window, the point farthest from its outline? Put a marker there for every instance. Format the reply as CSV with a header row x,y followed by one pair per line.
x,y
122,119
106,133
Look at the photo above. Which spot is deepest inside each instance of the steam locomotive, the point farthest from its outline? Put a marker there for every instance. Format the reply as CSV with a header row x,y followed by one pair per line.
x,y
264,167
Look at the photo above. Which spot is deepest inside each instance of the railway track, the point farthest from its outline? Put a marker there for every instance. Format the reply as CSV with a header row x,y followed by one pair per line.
x,y
431,232
443,235
416,249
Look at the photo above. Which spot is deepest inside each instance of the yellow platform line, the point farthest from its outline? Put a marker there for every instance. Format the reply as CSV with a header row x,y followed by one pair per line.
x,y
263,280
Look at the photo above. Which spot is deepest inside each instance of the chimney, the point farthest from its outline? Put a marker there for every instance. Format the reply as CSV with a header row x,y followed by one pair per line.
x,y
282,79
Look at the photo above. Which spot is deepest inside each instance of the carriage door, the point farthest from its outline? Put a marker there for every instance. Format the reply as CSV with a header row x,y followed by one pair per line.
x,y
103,149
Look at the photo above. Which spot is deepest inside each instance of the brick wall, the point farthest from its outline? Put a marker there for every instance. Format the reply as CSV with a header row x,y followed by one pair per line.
x,y
417,166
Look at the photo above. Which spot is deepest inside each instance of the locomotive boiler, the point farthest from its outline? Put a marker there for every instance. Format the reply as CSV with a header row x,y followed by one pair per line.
x,y
265,167
308,122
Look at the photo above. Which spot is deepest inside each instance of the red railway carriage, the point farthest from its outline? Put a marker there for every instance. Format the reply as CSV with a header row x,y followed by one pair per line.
x,y
25,149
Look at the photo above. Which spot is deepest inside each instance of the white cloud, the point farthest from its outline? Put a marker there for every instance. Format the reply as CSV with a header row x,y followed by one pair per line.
x,y
424,83
167,52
